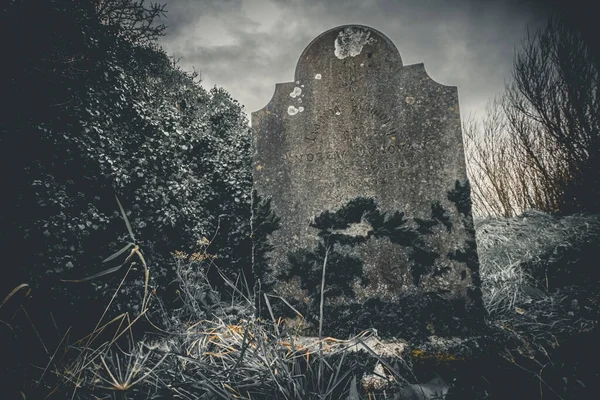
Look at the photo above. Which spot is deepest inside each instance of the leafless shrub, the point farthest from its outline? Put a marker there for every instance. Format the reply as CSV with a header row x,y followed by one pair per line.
x,y
539,144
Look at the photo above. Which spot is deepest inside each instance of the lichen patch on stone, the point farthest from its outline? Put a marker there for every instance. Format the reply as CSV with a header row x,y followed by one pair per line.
x,y
318,76
350,42
292,110
296,92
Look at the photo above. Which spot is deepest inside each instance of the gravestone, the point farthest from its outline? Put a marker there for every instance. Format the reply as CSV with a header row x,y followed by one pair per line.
x,y
362,159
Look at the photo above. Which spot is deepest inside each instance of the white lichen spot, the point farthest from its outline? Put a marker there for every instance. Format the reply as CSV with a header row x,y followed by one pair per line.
x,y
301,85
338,113
350,42
297,82
362,64
292,110
300,108
318,76
297,92
410,100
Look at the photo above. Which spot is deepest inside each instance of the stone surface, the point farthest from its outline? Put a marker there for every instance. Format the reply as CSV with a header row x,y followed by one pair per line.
x,y
362,158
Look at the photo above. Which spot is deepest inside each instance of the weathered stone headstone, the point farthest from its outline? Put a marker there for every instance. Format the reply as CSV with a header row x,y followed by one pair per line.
x,y
362,158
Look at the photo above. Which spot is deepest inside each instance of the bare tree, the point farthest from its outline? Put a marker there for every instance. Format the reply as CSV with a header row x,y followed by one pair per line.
x,y
539,146
485,146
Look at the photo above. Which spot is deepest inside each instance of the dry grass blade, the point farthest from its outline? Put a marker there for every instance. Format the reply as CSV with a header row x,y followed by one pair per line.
x,y
268,303
126,220
334,383
14,291
118,253
137,251
134,251
98,275
212,388
232,286
150,371
65,336
96,330
321,312
245,344
353,395
99,329
287,304
35,330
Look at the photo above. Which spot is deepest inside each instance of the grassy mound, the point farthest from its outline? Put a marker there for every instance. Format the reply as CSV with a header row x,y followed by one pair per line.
x,y
541,268
541,286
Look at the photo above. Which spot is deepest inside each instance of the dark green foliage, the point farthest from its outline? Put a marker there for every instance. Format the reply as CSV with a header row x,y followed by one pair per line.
x,y
423,261
341,271
95,109
343,268
338,233
438,212
461,197
350,213
98,110
423,257
425,225
264,223
356,210
459,255
393,227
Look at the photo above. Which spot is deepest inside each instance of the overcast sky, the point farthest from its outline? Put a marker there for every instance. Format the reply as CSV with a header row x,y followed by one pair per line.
x,y
246,46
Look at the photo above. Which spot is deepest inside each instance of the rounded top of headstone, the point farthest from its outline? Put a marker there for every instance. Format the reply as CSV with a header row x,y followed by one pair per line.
x,y
342,42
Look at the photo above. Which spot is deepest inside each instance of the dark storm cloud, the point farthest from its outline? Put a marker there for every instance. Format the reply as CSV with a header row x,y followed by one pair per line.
x,y
247,46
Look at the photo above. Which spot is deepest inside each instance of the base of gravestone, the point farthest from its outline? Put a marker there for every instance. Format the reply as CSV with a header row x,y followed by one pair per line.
x,y
410,317
395,368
